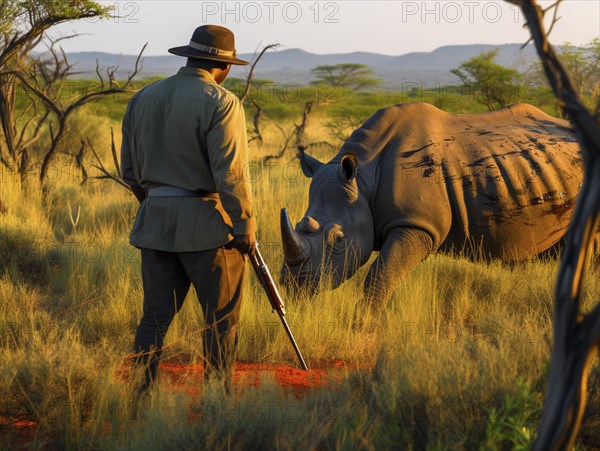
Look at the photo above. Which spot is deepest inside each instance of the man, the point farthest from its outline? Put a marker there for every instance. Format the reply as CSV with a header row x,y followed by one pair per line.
x,y
184,153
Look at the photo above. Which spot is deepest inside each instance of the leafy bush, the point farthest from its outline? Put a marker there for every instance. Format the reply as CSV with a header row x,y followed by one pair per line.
x,y
512,425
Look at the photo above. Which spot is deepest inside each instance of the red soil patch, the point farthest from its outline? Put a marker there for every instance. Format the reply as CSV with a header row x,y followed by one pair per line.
x,y
20,431
189,378
290,378
251,374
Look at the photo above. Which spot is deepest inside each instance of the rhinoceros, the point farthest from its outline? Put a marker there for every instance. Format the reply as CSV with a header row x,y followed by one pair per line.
x,y
413,180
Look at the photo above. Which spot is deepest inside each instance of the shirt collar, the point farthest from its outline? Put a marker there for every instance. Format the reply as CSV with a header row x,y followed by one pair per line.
x,y
196,72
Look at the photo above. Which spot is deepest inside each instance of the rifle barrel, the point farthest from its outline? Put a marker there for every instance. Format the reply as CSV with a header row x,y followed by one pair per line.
x,y
303,364
267,282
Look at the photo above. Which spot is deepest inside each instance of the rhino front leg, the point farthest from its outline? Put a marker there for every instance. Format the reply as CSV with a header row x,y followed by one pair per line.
x,y
403,249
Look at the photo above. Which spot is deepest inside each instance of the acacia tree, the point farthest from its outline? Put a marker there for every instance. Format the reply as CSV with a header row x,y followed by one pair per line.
x,y
348,75
33,103
22,27
491,83
23,22
583,66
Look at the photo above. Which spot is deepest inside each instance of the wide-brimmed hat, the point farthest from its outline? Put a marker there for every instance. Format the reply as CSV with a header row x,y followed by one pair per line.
x,y
213,43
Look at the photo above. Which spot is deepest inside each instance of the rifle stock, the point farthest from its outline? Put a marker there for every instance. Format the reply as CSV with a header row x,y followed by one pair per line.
x,y
266,280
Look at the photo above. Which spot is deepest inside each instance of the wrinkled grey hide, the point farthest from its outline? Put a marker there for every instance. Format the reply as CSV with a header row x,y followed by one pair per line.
x,y
413,180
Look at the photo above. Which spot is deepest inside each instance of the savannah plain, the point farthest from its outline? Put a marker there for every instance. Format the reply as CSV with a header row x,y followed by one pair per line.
x,y
456,359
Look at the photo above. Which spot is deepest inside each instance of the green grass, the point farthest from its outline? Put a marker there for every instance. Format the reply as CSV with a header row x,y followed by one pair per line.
x,y
457,359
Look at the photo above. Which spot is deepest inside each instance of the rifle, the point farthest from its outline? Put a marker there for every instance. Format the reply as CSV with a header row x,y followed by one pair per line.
x,y
266,280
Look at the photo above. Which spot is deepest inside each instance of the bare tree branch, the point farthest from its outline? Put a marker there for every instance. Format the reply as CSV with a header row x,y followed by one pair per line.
x,y
252,66
113,149
99,74
256,122
288,137
106,173
297,132
63,113
553,7
26,41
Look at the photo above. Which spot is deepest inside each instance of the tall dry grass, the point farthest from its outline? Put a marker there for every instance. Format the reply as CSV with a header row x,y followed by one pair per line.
x,y
456,359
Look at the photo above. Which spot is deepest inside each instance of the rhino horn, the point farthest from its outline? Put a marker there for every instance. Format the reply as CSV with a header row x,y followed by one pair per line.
x,y
295,248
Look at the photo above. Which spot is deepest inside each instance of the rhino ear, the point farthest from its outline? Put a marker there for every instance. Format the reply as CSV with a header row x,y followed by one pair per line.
x,y
348,167
308,164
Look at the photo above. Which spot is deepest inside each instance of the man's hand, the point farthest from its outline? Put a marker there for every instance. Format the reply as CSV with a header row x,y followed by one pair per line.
x,y
244,243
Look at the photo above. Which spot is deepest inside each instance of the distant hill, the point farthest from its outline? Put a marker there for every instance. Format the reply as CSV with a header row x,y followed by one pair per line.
x,y
294,65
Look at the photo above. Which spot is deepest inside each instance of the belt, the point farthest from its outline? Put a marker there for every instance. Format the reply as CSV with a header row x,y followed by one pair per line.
x,y
173,191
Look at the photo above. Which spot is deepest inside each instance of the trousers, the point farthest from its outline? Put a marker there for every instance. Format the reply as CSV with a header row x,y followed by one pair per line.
x,y
217,276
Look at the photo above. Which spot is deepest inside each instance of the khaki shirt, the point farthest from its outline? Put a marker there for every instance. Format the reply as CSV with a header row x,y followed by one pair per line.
x,y
187,131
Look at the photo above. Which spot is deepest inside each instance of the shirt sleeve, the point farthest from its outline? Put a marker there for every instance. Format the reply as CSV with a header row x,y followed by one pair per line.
x,y
228,156
127,171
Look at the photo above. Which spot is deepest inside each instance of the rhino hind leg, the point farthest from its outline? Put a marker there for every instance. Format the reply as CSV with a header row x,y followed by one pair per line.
x,y
403,249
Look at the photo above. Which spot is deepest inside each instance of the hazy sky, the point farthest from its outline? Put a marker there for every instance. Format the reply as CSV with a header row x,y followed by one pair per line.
x,y
388,27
